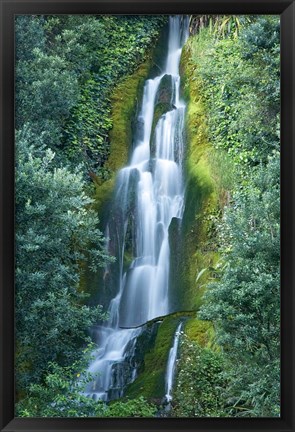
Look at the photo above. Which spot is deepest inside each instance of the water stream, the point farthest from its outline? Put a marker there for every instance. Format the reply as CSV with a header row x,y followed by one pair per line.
x,y
171,365
149,194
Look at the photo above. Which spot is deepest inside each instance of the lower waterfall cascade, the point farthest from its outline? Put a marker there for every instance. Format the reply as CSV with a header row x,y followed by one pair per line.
x,y
149,193
170,374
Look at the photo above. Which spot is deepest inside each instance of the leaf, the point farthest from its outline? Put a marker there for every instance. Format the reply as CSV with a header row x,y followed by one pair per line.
x,y
201,273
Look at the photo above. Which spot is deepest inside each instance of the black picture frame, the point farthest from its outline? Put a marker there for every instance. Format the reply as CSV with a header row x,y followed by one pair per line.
x,y
286,9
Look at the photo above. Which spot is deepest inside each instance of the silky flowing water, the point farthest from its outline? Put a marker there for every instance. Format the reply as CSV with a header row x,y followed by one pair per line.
x,y
171,365
149,194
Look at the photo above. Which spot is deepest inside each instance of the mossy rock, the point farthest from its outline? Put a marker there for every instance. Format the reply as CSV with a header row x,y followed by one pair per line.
x,y
163,104
151,380
200,331
160,53
198,248
165,90
124,107
145,342
127,259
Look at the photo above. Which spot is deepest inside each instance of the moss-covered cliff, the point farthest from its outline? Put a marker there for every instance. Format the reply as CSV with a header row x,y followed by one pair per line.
x,y
196,247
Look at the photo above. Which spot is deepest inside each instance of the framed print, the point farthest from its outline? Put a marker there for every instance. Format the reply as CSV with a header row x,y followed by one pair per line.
x,y
147,238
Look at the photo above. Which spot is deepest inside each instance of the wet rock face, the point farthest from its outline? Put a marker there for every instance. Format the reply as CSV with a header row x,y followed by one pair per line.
x,y
165,91
159,53
138,131
124,373
121,223
163,104
144,342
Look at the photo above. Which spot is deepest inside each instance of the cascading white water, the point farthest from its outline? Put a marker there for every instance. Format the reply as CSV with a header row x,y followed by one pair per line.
x,y
170,371
153,183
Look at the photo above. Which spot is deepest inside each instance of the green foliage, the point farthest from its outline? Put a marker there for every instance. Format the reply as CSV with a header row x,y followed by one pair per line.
x,y
46,88
42,86
200,383
151,381
200,332
77,39
224,173
241,88
55,232
203,195
133,408
29,34
66,70
219,26
65,77
254,388
245,303
61,395
236,82
86,134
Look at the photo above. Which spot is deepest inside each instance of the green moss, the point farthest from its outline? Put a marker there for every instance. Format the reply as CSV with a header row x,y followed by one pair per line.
x,y
175,282
124,104
151,381
199,246
179,314
200,331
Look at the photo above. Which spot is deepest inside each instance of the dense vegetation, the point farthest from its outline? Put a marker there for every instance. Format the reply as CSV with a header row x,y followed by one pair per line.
x,y
238,82
70,73
67,67
66,70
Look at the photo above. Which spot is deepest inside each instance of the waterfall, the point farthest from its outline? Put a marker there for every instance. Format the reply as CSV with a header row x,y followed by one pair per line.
x,y
149,193
171,364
